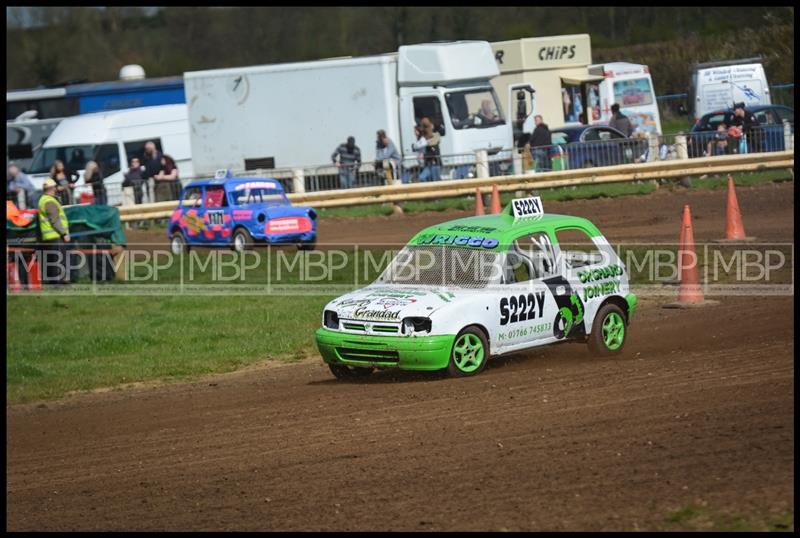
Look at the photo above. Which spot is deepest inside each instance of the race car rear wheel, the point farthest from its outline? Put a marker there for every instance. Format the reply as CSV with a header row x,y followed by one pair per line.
x,y
608,331
469,354
343,371
177,243
242,240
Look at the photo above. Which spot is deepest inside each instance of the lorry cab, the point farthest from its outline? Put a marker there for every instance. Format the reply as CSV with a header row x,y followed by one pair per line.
x,y
631,87
112,139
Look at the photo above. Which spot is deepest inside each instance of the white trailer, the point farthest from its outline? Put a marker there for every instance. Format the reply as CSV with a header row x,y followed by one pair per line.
x,y
295,115
631,87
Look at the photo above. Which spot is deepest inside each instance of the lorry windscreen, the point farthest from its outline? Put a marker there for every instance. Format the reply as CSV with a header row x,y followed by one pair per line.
x,y
474,109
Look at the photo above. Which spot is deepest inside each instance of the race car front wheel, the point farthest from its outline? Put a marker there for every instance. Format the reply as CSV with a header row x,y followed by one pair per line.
x,y
343,371
608,331
469,354
242,240
177,243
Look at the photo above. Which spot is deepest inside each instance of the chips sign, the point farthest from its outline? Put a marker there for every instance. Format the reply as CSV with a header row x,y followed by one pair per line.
x,y
527,207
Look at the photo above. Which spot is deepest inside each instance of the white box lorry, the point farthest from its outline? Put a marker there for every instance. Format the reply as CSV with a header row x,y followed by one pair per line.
x,y
295,115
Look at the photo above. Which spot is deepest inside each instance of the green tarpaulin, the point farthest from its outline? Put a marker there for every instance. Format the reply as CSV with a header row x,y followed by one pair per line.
x,y
95,224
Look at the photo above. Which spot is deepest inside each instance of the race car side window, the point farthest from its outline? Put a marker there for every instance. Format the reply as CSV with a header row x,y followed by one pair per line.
x,y
192,196
537,249
215,197
577,248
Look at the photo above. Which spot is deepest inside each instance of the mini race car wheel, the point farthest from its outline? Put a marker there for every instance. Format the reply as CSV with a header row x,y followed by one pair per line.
x,y
469,354
242,240
307,246
177,243
608,331
343,371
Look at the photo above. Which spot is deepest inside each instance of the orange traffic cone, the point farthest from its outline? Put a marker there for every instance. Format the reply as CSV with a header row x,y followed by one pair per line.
x,y
479,210
689,293
495,209
734,229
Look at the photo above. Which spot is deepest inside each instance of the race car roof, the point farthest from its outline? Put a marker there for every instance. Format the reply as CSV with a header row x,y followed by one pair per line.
x,y
232,183
503,227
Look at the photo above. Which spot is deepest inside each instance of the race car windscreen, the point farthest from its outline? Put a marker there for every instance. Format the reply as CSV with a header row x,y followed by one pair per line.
x,y
260,195
443,266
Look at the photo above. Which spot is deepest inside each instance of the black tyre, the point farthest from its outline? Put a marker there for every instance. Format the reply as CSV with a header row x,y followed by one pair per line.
x,y
609,331
242,240
177,243
343,371
307,246
470,353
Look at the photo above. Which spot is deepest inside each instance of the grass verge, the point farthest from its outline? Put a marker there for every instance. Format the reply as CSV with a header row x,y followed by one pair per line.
x,y
701,518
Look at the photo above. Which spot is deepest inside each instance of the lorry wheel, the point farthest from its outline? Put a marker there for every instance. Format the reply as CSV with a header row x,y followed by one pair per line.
x,y
608,331
343,371
242,240
469,354
307,246
177,243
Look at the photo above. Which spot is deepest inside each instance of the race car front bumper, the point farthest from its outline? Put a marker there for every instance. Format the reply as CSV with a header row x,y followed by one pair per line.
x,y
404,352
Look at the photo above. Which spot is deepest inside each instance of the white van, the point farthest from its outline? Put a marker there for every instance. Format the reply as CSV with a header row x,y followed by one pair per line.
x,y
718,85
112,139
631,87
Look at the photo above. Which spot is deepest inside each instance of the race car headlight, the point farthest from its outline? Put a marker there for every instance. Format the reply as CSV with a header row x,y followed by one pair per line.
x,y
330,319
416,325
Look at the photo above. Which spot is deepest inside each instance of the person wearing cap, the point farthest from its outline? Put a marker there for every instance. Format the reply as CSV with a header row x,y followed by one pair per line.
x,y
54,229
748,125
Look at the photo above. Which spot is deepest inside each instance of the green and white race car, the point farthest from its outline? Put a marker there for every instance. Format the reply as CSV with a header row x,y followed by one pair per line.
x,y
465,290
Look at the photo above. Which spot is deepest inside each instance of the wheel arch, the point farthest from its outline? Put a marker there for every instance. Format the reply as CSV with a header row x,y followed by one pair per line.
x,y
616,300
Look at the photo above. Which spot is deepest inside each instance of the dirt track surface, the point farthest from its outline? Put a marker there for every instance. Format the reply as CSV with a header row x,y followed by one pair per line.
x,y
698,410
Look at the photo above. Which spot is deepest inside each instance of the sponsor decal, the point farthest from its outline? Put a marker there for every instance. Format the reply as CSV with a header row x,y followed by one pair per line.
x,y
193,222
390,302
518,308
600,273
474,229
256,185
363,313
601,290
458,240
522,332
242,214
288,225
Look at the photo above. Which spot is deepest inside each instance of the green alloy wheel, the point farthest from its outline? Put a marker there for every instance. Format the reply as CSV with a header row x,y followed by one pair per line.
x,y
470,352
608,331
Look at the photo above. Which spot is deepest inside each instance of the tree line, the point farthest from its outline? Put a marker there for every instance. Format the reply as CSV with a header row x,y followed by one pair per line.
x,y
47,45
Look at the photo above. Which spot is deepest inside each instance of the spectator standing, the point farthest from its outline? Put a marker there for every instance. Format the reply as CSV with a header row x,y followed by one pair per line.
x,y
54,229
387,158
433,161
135,177
18,182
540,142
92,176
151,160
620,121
65,180
167,184
347,158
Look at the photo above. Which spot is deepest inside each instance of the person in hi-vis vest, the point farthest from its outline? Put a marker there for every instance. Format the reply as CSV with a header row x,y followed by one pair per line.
x,y
54,229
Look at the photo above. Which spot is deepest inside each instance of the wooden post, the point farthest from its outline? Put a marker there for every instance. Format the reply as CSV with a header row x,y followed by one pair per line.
x,y
680,147
518,170
481,163
298,180
653,153
120,256
21,199
788,137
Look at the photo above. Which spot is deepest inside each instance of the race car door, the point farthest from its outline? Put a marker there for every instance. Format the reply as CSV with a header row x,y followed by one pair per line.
x,y
217,214
527,305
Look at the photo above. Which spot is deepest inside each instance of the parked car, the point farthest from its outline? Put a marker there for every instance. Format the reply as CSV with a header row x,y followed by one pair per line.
x,y
585,146
465,290
770,117
239,213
